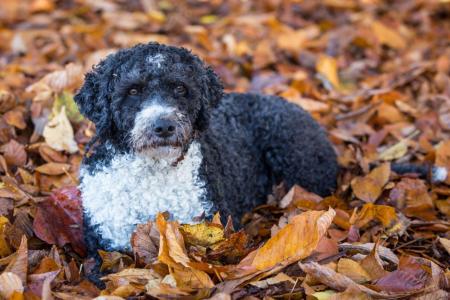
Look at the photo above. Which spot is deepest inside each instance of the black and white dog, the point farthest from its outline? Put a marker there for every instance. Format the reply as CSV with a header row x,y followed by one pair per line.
x,y
169,139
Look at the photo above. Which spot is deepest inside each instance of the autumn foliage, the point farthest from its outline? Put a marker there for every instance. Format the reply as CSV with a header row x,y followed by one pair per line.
x,y
374,73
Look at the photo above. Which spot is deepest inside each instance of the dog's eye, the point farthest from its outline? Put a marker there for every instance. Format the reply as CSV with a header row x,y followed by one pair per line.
x,y
180,90
133,91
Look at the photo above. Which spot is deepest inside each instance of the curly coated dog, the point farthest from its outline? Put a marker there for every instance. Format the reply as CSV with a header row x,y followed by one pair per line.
x,y
169,139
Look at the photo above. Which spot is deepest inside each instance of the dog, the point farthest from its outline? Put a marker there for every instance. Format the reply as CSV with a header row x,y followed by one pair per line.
x,y
169,139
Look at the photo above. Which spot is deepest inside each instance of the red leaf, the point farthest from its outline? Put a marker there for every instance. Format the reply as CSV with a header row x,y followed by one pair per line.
x,y
59,219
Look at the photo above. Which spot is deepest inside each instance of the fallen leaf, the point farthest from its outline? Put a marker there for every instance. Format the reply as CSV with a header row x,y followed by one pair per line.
x,y
7,101
300,197
280,277
335,280
294,241
145,242
171,250
10,283
112,261
70,77
382,213
19,264
373,264
15,118
387,35
353,270
58,133
327,67
40,283
445,243
14,153
203,234
411,195
58,219
370,187
53,168
5,249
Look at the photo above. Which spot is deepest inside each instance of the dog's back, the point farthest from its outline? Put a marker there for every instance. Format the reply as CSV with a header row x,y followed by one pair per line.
x,y
256,141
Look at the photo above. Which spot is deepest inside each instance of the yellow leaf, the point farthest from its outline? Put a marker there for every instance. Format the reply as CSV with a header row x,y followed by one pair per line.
x,y
388,36
383,213
327,67
370,187
353,270
396,151
294,241
58,133
203,234
5,250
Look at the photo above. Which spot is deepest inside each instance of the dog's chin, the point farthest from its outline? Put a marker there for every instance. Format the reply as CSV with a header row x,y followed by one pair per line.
x,y
166,153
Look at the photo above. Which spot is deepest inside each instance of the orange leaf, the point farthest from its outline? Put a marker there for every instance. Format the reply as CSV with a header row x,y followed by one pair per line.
x,y
327,67
370,187
53,168
294,241
171,250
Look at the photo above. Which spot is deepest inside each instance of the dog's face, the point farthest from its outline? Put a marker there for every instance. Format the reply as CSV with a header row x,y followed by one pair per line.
x,y
150,99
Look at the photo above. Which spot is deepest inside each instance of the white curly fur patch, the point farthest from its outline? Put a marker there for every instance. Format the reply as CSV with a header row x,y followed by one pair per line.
x,y
156,60
134,189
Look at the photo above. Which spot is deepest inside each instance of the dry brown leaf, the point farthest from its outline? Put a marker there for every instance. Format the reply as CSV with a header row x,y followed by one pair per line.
x,y
373,264
412,196
14,153
15,118
294,241
370,187
145,242
7,101
68,78
10,283
337,281
445,243
301,198
19,264
53,168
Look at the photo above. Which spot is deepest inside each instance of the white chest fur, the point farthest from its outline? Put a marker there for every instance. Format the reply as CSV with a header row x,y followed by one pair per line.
x,y
134,189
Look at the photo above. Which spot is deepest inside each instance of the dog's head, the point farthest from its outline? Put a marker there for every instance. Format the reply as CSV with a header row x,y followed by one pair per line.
x,y
150,99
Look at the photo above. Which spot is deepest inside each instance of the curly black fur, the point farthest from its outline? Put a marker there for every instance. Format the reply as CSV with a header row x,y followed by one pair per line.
x,y
249,142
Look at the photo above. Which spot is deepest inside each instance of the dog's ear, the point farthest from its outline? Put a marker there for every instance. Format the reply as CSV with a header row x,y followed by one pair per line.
x,y
93,100
214,88
212,93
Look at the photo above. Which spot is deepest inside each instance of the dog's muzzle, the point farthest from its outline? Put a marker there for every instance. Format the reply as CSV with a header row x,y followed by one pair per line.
x,y
160,127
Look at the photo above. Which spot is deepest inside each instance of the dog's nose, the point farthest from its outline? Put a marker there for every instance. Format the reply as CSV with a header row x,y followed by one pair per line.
x,y
164,128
